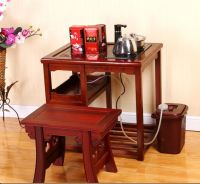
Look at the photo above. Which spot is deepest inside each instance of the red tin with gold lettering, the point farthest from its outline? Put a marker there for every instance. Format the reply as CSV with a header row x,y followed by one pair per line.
x,y
91,37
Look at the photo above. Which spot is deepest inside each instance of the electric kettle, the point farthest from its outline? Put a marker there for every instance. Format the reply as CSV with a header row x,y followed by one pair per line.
x,y
123,47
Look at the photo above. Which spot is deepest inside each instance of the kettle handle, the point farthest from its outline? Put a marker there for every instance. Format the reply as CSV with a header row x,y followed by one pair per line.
x,y
134,45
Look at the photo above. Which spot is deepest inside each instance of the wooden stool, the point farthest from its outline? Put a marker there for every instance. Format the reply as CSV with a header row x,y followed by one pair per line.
x,y
49,125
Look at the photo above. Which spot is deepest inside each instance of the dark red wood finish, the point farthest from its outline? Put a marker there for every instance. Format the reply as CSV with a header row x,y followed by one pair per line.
x,y
49,125
61,59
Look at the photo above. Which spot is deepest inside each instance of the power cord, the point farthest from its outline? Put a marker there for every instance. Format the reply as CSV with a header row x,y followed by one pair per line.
x,y
124,90
97,79
161,107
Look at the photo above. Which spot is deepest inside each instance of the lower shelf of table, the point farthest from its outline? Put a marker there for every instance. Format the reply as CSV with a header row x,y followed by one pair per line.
x,y
121,146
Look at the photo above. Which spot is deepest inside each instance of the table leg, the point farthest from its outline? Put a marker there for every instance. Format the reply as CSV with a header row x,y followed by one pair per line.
x,y
47,82
110,165
108,90
87,158
158,83
40,170
61,156
139,115
83,83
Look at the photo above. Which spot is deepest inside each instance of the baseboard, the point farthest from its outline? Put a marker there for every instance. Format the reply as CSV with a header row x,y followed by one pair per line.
x,y
22,111
192,122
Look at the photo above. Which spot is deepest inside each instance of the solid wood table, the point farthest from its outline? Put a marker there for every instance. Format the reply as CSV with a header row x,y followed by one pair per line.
x,y
49,125
77,91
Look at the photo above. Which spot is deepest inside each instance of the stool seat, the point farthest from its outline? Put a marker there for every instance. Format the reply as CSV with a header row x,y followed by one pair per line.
x,y
49,125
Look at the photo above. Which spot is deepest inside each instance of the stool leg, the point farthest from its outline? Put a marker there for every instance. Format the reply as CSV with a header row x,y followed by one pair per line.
x,y
60,160
110,165
40,170
90,173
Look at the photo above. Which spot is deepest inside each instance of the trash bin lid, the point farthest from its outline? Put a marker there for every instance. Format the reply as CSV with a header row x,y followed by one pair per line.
x,y
174,111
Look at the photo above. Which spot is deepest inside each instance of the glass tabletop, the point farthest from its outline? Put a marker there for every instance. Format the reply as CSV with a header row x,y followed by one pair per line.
x,y
104,55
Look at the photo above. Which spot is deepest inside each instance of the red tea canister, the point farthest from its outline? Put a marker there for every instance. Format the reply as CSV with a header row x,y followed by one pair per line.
x,y
91,34
102,37
77,39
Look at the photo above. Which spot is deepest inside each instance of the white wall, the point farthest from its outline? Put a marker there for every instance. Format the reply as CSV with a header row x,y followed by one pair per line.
x,y
175,23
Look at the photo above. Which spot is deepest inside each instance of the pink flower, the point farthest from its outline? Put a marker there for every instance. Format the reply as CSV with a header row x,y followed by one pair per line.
x,y
26,32
7,31
10,39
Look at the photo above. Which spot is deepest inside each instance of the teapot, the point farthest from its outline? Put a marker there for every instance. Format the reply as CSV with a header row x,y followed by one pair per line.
x,y
124,47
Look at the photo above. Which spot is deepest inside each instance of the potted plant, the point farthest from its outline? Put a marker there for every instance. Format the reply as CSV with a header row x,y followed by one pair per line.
x,y
8,38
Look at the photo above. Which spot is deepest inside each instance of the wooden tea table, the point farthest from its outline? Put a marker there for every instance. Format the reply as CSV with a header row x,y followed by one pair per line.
x,y
77,91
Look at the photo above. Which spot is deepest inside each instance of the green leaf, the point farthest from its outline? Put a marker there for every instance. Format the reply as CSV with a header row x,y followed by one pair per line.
x,y
3,45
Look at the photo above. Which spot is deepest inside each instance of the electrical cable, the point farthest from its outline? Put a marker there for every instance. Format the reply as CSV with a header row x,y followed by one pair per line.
x,y
124,90
97,79
146,143
157,131
124,132
161,107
